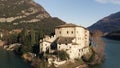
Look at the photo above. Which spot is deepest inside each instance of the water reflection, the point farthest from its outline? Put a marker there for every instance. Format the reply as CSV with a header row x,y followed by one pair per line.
x,y
112,54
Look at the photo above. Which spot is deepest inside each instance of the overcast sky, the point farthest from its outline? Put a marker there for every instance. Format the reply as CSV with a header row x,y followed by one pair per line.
x,y
81,12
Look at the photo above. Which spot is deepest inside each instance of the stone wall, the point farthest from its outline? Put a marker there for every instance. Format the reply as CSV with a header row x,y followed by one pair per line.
x,y
76,48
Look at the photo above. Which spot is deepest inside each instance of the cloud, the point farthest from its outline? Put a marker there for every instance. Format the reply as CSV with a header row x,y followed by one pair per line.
x,y
109,1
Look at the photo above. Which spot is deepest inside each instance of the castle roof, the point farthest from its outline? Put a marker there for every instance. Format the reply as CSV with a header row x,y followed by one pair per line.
x,y
64,40
69,25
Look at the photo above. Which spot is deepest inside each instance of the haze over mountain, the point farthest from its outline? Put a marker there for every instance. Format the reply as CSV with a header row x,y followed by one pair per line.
x,y
107,24
16,14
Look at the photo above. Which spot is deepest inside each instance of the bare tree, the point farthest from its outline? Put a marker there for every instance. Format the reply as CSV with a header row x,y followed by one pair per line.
x,y
99,46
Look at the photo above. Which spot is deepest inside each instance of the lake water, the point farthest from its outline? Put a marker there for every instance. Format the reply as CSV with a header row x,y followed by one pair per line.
x,y
112,54
9,60
112,49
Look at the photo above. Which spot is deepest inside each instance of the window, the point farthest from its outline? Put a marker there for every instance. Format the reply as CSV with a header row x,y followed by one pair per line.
x,y
72,32
59,47
77,31
65,43
60,32
82,50
79,38
70,47
67,32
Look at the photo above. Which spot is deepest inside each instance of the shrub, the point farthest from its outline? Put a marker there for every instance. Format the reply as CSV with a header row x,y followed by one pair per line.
x,y
63,55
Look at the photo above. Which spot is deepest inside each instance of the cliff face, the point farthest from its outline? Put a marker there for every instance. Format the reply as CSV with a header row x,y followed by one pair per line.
x,y
107,24
21,11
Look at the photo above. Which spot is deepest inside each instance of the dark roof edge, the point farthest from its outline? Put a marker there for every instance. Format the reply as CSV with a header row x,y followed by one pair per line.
x,y
70,25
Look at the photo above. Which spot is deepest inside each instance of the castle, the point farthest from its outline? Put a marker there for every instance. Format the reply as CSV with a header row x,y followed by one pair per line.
x,y
71,38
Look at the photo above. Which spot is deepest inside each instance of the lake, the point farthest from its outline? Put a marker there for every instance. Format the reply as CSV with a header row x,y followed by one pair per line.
x,y
112,54
9,60
112,50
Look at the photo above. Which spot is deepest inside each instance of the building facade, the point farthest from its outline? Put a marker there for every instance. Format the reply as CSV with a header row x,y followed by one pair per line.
x,y
70,38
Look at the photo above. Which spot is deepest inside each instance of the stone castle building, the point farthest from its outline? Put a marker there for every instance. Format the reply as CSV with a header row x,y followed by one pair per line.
x,y
71,38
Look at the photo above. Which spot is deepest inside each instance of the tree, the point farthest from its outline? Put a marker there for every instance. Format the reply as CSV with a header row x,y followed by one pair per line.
x,y
22,36
97,33
32,37
63,55
12,38
36,49
41,34
98,48
25,49
25,39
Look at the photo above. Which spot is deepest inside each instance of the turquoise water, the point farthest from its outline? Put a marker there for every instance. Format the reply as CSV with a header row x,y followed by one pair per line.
x,y
112,57
9,60
112,54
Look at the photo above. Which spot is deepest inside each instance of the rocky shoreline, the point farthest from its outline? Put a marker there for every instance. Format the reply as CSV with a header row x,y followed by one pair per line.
x,y
36,62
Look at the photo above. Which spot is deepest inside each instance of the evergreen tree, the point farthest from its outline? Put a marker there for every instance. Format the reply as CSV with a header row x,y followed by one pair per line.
x,y
25,39
36,46
23,35
12,38
32,37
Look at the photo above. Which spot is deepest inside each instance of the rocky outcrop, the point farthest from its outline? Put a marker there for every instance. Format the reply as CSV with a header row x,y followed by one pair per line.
x,y
12,47
2,43
28,56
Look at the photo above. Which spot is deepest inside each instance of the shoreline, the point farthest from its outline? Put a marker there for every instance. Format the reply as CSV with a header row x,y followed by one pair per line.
x,y
83,65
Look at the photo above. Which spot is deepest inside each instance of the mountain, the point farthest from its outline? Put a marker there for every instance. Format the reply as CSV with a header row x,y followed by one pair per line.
x,y
107,24
17,14
17,10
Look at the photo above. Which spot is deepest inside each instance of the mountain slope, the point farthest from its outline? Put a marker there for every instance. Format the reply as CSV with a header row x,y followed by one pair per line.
x,y
108,24
17,14
15,10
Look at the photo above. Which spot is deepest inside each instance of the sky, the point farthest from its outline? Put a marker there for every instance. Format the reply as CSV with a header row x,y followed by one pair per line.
x,y
80,12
